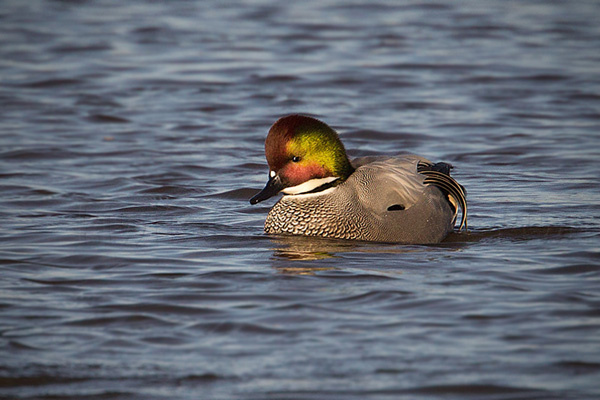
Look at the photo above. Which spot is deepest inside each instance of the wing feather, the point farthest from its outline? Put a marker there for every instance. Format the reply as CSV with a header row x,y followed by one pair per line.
x,y
439,175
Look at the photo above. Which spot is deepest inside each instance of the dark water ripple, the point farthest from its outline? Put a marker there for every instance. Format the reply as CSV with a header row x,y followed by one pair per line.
x,y
133,267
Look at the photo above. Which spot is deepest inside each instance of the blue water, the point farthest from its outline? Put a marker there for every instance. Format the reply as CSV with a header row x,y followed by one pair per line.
x,y
133,267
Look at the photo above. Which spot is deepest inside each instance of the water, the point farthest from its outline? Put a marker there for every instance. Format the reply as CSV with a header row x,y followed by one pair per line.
x,y
133,267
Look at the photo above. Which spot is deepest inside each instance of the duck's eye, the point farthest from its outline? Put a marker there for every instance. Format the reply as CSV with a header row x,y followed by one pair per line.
x,y
295,159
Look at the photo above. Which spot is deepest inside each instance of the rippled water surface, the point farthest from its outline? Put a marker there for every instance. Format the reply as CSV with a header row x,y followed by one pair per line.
x,y
133,267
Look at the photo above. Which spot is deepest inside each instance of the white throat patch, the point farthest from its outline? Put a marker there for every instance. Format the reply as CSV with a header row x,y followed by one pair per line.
x,y
309,185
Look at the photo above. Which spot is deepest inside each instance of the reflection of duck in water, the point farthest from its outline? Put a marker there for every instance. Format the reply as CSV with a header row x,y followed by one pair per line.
x,y
403,199
303,248
306,248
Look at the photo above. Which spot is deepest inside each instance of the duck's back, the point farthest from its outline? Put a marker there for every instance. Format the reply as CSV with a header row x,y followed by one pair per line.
x,y
385,199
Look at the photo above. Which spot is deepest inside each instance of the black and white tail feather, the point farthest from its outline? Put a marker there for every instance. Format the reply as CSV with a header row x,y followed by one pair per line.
x,y
438,175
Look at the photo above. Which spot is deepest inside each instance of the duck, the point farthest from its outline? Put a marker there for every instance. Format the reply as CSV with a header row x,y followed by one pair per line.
x,y
397,199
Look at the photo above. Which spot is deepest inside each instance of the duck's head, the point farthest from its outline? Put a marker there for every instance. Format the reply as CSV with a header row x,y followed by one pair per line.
x,y
303,154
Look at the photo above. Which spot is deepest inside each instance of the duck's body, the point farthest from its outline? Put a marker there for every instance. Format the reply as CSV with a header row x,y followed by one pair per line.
x,y
384,200
403,199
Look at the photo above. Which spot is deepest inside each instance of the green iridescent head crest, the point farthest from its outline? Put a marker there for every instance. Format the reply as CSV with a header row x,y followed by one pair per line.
x,y
302,139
